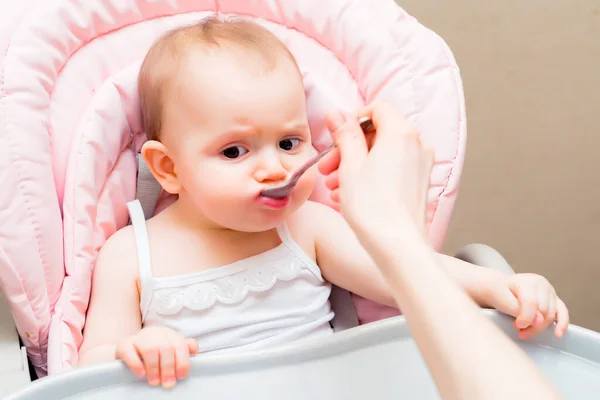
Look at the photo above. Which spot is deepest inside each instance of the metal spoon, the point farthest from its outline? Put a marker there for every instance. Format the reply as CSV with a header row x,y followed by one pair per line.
x,y
283,191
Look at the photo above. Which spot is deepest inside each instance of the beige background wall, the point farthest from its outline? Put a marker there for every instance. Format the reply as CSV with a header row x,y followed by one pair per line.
x,y
531,183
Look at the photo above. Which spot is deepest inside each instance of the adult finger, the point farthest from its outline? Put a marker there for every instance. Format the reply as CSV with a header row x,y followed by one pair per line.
x,y
350,140
332,181
330,162
335,196
387,121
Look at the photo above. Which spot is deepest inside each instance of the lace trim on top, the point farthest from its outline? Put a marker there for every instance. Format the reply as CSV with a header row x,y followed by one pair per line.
x,y
229,284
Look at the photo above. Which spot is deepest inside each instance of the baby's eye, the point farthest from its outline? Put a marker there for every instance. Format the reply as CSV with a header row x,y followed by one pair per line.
x,y
289,144
234,152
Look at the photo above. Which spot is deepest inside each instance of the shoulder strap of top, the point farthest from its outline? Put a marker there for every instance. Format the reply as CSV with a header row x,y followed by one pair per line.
x,y
341,299
284,234
138,221
286,238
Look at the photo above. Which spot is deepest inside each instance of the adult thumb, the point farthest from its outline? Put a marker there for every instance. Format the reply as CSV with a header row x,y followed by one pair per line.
x,y
350,141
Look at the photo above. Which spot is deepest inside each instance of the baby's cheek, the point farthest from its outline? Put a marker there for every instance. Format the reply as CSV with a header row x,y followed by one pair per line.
x,y
222,206
221,197
211,195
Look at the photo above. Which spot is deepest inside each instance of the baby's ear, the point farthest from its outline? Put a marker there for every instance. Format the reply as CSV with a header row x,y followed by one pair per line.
x,y
160,164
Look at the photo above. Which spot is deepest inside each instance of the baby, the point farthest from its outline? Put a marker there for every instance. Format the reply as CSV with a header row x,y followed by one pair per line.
x,y
222,268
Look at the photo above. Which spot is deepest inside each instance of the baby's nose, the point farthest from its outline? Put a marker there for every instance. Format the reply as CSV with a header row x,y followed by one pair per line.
x,y
271,170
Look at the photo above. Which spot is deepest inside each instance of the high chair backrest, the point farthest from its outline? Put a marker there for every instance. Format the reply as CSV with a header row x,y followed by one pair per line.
x,y
70,129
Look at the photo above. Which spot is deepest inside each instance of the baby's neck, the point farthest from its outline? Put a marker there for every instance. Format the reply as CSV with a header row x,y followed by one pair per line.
x,y
187,217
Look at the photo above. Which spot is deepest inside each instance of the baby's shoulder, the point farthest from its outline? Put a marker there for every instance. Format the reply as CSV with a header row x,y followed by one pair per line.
x,y
120,242
316,212
119,253
312,217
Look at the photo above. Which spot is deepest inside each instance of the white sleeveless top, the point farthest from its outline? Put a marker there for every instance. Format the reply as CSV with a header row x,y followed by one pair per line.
x,y
271,298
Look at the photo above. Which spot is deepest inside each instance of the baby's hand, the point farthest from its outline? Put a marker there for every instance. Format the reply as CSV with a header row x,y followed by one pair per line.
x,y
160,353
532,300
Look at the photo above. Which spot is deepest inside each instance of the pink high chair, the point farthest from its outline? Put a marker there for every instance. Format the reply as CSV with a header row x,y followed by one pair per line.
x,y
70,132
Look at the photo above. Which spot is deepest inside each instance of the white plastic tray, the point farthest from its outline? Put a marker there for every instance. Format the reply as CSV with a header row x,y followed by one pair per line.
x,y
378,361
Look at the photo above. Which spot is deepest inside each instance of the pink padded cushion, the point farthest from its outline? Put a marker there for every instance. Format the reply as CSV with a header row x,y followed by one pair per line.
x,y
30,238
70,117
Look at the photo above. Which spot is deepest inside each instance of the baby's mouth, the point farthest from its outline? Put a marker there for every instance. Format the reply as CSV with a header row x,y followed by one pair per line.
x,y
274,204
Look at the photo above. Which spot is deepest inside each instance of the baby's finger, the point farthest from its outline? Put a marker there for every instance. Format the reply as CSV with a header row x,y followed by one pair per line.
x,y
543,300
330,162
508,303
332,181
150,358
528,333
529,306
167,366
536,327
129,355
192,345
562,318
182,360
538,320
551,315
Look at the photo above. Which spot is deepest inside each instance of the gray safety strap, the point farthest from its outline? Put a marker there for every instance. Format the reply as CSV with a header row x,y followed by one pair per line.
x,y
147,188
343,307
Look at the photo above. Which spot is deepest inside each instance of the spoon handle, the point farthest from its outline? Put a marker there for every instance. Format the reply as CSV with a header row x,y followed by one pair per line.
x,y
312,162
365,124
280,192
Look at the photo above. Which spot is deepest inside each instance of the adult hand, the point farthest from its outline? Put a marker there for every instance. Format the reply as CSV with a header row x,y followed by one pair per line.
x,y
382,189
378,179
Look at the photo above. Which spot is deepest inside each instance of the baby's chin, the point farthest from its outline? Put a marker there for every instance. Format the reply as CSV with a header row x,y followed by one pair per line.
x,y
253,226
258,221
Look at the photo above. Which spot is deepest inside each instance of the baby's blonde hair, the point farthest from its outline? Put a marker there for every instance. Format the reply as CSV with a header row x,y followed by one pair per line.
x,y
162,63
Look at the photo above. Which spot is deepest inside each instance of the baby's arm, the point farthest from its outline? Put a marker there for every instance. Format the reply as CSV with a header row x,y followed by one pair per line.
x,y
113,327
341,258
529,298
114,311
345,263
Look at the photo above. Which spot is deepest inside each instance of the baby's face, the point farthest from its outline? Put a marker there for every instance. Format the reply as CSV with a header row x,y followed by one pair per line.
x,y
236,133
